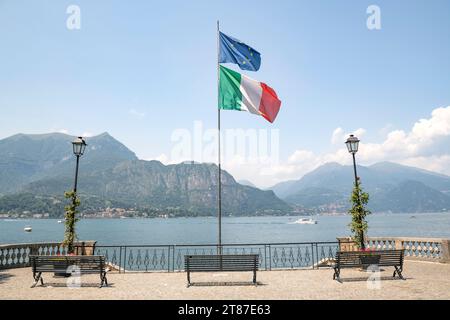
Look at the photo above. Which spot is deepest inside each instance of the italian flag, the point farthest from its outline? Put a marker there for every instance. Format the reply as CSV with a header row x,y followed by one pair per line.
x,y
239,92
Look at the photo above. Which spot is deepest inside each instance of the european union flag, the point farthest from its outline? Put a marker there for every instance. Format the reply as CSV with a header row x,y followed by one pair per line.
x,y
235,51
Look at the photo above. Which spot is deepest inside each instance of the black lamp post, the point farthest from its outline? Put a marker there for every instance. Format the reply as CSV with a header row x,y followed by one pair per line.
x,y
352,146
79,145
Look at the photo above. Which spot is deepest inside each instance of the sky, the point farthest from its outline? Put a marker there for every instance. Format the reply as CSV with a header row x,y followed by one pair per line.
x,y
146,72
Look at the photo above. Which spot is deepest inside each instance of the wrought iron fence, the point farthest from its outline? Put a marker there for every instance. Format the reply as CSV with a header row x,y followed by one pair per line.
x,y
17,255
170,258
272,256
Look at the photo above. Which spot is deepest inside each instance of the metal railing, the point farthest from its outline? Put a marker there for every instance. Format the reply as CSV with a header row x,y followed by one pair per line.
x,y
17,255
170,258
272,256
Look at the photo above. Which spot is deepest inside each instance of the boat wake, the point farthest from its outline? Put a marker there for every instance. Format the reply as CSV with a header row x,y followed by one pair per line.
x,y
304,221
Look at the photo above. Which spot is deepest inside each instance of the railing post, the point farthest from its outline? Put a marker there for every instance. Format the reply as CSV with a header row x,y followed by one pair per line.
x,y
124,259
265,257
398,244
317,255
168,258
118,262
270,257
34,249
173,258
445,250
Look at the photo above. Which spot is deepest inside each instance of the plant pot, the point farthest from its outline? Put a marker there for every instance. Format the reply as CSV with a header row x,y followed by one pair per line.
x,y
62,275
62,266
370,260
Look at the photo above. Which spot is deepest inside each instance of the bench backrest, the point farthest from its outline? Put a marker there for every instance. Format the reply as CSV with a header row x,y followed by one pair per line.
x,y
205,263
379,257
61,263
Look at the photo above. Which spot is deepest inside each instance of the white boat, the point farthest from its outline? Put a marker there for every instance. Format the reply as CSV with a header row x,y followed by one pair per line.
x,y
27,229
59,221
305,221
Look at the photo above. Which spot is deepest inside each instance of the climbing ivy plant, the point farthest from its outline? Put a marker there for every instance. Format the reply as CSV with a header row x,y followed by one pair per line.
x,y
70,213
359,212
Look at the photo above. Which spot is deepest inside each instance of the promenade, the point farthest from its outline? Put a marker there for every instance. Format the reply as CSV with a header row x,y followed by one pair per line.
x,y
424,280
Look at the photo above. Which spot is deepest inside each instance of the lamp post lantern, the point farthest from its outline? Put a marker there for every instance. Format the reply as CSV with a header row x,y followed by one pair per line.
x,y
352,146
79,145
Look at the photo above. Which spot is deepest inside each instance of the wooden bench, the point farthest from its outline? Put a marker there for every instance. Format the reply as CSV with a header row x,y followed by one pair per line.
x,y
221,263
363,259
61,264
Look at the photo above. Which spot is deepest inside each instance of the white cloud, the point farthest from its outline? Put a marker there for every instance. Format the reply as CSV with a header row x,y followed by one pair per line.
x,y
136,113
301,156
426,145
161,158
87,135
339,136
383,132
439,164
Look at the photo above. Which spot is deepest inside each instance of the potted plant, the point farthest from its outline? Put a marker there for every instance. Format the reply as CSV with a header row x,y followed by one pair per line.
x,y
70,220
369,258
358,211
62,259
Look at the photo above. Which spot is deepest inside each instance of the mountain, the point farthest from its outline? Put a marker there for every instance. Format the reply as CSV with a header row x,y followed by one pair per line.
x,y
112,176
151,184
412,196
35,170
392,188
317,197
26,158
246,183
283,189
396,172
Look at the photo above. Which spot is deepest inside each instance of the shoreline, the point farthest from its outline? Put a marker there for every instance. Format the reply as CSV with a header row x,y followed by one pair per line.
x,y
331,214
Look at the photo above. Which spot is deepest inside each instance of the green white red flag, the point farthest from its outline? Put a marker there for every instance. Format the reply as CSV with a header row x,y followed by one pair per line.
x,y
239,92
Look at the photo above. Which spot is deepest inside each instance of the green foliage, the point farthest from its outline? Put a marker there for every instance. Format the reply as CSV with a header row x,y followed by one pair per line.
x,y
359,212
150,184
31,203
71,219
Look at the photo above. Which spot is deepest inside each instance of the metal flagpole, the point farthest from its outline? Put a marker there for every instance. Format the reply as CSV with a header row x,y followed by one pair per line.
x,y
219,204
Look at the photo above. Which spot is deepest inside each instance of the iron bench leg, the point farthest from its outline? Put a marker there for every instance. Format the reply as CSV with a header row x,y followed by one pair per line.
x,y
106,280
336,275
188,279
399,272
254,277
103,279
37,278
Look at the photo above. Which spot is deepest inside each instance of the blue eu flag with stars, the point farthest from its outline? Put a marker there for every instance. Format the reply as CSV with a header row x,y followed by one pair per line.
x,y
234,51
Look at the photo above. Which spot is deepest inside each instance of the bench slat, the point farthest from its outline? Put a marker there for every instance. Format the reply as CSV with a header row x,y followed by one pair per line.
x,y
62,264
219,263
384,258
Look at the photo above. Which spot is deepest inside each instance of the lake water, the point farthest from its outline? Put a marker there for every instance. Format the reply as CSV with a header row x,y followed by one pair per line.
x,y
235,230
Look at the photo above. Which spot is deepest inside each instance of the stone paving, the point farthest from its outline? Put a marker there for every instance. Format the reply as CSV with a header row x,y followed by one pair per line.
x,y
424,280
